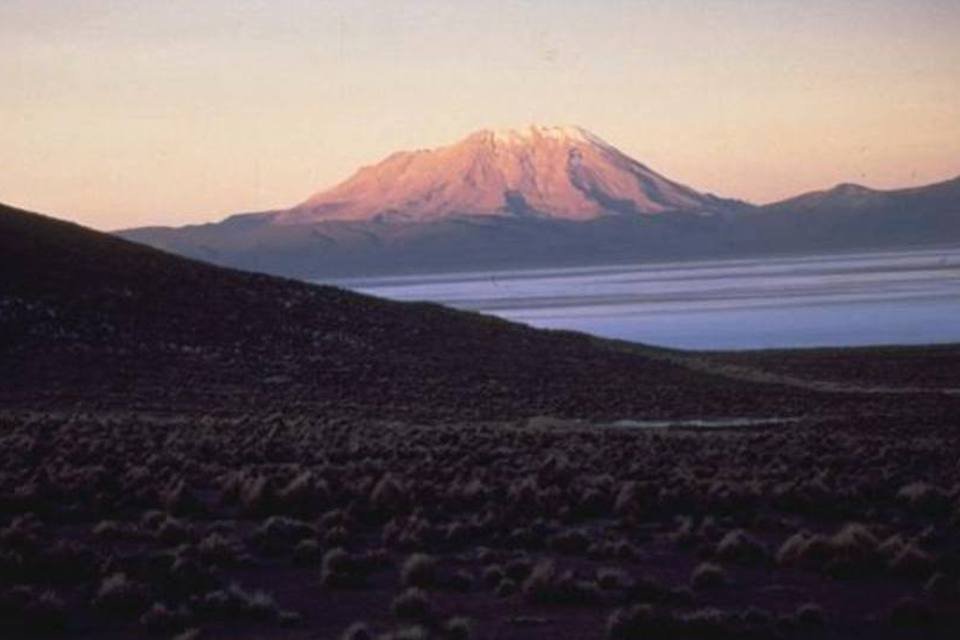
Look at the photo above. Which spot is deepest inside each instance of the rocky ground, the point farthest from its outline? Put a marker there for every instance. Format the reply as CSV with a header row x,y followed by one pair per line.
x,y
288,526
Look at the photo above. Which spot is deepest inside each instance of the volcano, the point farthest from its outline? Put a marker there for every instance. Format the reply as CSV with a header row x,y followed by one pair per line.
x,y
551,171
543,197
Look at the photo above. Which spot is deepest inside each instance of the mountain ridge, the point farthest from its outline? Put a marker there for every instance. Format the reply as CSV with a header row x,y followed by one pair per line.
x,y
853,194
547,197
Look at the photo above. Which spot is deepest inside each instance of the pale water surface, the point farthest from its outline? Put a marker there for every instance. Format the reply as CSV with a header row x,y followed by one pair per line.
x,y
906,297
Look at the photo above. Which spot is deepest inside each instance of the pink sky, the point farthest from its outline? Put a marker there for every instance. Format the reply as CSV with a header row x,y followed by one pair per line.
x,y
119,114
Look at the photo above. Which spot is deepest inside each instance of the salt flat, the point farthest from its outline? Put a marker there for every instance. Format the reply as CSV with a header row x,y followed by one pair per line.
x,y
903,297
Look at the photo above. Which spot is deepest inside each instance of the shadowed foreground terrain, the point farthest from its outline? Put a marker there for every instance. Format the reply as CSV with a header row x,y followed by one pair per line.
x,y
88,317
188,451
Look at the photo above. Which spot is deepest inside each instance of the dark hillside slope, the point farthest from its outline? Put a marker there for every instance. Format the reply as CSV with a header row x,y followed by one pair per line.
x,y
86,317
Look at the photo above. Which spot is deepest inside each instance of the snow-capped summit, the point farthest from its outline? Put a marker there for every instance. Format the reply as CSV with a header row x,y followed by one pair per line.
x,y
533,131
551,171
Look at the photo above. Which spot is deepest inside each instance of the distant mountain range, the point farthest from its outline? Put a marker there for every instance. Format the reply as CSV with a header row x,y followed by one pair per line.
x,y
546,196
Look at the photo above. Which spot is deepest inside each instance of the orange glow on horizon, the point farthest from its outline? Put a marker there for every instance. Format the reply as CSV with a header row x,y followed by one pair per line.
x,y
126,114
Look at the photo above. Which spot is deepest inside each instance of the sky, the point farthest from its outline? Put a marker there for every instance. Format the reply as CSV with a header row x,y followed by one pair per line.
x,y
122,113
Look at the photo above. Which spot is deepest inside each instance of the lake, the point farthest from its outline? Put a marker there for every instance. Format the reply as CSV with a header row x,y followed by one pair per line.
x,y
904,297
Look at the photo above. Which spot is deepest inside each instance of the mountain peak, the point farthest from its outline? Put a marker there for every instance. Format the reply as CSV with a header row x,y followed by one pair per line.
x,y
851,188
559,171
534,133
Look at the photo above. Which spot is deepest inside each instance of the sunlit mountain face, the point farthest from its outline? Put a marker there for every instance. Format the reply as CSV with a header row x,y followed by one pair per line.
x,y
555,171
